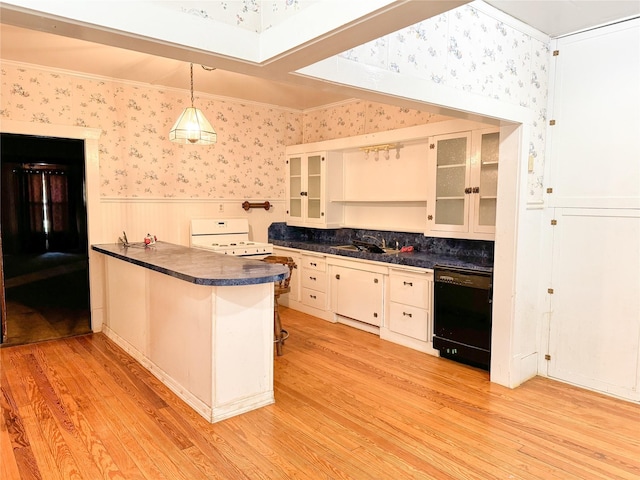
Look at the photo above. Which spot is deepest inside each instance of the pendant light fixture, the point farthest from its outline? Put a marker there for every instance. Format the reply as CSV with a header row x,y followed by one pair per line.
x,y
192,127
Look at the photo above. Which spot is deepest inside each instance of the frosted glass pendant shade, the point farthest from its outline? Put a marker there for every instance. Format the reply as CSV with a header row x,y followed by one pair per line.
x,y
193,128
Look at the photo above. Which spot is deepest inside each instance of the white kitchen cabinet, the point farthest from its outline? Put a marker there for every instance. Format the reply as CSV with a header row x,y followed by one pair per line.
x,y
409,320
312,179
463,179
313,279
357,293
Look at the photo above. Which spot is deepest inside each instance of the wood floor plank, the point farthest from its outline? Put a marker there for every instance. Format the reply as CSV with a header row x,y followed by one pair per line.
x,y
15,448
60,445
110,452
44,460
147,437
349,406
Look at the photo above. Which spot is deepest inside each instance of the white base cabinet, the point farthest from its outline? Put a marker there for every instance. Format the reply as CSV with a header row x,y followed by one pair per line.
x,y
409,317
391,301
309,285
358,293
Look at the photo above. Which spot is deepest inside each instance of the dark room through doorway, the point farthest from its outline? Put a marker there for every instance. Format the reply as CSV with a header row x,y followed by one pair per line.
x,y
43,239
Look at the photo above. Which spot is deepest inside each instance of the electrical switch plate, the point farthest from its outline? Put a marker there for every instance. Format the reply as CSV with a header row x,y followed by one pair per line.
x,y
530,163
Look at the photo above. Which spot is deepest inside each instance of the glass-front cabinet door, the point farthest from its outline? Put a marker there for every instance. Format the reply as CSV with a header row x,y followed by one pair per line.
x,y
295,189
487,144
314,188
463,184
450,205
305,190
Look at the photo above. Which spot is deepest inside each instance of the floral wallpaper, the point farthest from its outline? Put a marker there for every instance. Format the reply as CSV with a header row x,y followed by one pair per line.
x,y
136,157
138,161
253,15
359,118
471,51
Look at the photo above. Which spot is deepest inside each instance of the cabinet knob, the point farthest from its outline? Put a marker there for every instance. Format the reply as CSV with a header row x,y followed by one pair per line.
x,y
337,276
476,189
467,190
429,217
375,280
375,315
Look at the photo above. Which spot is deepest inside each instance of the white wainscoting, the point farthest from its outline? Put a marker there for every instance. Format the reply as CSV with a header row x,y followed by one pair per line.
x,y
168,219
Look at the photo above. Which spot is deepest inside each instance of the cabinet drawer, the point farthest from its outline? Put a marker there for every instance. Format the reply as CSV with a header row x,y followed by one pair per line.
x,y
314,280
314,263
410,321
411,289
314,298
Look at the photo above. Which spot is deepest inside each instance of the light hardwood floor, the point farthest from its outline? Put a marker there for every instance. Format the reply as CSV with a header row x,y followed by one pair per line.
x,y
348,406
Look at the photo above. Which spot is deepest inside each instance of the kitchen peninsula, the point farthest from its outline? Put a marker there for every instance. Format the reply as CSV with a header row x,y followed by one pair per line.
x,y
201,322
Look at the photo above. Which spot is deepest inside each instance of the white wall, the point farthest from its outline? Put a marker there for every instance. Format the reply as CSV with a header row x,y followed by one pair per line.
x,y
591,322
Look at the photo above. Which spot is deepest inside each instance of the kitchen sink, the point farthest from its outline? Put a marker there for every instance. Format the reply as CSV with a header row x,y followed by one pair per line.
x,y
353,248
349,248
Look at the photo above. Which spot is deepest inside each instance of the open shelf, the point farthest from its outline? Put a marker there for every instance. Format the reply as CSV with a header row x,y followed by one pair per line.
x,y
378,200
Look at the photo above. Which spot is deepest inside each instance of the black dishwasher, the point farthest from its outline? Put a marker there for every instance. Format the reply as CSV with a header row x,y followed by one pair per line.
x,y
462,319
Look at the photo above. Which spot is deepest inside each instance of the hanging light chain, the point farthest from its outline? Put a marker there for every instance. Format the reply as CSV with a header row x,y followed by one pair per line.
x,y
192,84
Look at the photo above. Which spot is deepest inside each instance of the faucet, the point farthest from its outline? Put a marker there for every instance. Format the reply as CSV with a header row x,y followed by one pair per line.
x,y
383,244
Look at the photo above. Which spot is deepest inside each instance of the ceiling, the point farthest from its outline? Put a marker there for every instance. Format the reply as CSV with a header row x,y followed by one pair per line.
x,y
31,37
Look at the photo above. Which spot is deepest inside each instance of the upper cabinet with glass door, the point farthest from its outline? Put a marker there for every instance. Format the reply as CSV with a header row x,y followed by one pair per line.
x,y
312,179
463,174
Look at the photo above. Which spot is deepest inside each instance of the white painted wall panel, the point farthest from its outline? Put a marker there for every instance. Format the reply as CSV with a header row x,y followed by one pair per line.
x,y
596,105
595,308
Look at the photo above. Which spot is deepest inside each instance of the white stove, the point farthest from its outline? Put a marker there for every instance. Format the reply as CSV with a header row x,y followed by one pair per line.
x,y
229,236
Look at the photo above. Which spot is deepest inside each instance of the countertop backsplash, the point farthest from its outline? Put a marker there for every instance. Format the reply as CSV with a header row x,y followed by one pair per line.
x,y
481,249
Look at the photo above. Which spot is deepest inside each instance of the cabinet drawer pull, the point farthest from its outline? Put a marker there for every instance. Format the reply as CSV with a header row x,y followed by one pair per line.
x,y
313,296
408,283
405,314
313,264
312,278
375,315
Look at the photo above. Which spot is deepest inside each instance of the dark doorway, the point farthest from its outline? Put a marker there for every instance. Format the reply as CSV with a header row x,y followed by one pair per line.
x,y
43,239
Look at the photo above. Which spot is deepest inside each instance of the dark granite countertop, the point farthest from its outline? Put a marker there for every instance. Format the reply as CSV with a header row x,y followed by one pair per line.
x,y
411,259
196,266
